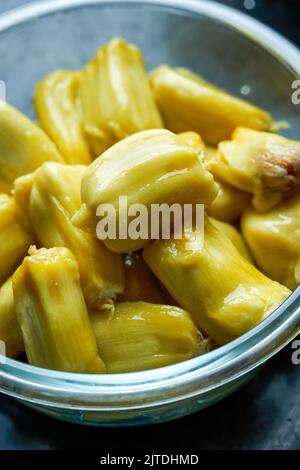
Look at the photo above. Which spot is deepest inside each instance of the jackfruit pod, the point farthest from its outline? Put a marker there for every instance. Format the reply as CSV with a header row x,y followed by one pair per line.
x,y
54,198
234,236
141,336
14,238
52,314
274,240
265,165
210,158
21,193
194,140
23,146
140,282
149,167
57,103
189,103
10,332
230,201
116,96
229,204
225,294
55,178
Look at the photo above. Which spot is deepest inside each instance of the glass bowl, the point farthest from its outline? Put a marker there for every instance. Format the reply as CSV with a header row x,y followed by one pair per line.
x,y
229,49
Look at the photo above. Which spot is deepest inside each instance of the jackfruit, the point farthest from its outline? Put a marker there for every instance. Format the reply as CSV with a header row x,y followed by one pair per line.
x,y
148,168
234,236
23,146
263,164
140,282
189,103
141,336
274,240
14,238
52,314
54,198
58,107
116,95
208,277
10,332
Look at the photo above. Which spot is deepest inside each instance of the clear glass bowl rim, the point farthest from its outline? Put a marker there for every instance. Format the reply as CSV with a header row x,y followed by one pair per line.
x,y
189,379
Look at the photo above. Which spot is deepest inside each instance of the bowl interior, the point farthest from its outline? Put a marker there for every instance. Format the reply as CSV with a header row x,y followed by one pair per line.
x,y
181,37
69,38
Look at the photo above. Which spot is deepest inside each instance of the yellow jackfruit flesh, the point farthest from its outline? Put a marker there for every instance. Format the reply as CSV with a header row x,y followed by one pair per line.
x,y
234,236
141,336
21,193
54,198
210,157
14,238
23,146
127,303
229,204
194,140
58,109
10,332
274,240
265,165
52,314
150,167
189,103
140,282
116,96
225,294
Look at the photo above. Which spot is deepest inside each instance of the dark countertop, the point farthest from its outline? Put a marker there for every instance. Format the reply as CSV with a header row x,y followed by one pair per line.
x,y
264,414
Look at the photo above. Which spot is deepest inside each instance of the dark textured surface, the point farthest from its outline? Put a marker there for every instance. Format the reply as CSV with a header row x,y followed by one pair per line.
x,y
265,414
281,15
